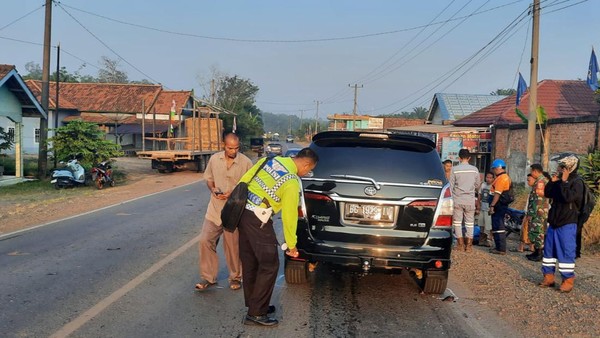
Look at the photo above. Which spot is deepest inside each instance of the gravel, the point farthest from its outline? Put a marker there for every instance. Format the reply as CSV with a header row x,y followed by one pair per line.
x,y
508,286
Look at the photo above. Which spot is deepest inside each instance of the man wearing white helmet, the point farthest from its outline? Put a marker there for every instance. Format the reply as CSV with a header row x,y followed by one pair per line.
x,y
566,192
501,190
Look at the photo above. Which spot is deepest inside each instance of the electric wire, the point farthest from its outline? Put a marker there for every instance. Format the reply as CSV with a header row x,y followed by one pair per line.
x,y
344,92
107,46
503,35
405,45
22,17
521,58
454,70
385,72
558,9
339,38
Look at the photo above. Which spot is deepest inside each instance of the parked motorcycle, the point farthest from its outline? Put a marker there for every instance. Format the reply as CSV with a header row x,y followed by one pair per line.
x,y
102,175
71,176
513,220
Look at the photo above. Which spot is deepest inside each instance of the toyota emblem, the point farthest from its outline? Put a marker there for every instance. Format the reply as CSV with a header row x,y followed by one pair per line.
x,y
370,190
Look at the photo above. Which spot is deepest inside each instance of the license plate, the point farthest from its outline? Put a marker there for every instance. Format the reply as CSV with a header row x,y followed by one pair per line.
x,y
369,212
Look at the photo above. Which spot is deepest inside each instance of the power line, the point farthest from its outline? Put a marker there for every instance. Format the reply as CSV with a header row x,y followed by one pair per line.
x,y
385,73
22,17
436,82
107,46
503,34
382,72
340,38
406,44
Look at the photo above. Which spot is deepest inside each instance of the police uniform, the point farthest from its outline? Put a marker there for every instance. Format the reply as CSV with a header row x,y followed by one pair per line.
x,y
275,188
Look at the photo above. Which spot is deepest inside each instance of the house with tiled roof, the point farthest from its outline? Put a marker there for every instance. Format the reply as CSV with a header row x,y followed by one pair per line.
x,y
118,109
446,107
20,113
572,110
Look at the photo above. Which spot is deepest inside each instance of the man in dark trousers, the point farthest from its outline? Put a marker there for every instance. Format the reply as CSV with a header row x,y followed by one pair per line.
x,y
276,187
498,208
566,193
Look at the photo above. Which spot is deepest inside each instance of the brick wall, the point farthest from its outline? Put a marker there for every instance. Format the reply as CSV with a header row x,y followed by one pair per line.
x,y
393,122
511,144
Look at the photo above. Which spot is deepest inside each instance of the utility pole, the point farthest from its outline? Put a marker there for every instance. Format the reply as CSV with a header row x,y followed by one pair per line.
x,y
317,118
355,105
43,152
56,99
535,44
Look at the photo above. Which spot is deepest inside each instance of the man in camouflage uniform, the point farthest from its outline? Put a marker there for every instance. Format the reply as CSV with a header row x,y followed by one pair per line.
x,y
537,211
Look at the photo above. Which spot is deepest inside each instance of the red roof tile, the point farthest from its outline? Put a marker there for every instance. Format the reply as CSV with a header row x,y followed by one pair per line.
x,y
5,69
560,99
166,97
108,97
36,88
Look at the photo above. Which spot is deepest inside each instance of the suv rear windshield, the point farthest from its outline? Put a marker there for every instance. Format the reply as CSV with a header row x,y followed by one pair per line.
x,y
382,161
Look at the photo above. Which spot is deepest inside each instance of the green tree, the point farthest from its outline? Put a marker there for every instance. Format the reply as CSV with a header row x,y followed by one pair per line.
x,y
83,138
507,92
65,76
5,140
238,95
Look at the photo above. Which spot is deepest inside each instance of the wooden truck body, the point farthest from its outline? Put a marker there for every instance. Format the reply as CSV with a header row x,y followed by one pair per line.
x,y
198,139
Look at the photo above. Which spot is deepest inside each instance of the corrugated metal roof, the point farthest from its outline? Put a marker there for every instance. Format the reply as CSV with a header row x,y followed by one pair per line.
x,y
455,106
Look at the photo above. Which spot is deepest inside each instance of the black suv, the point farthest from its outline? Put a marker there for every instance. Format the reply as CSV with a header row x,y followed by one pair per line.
x,y
375,201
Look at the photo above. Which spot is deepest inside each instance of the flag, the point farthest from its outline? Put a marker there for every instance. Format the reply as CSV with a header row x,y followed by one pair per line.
x,y
592,75
234,128
171,116
521,88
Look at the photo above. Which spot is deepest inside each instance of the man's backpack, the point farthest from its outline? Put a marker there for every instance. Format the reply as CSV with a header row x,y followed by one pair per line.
x,y
589,202
231,213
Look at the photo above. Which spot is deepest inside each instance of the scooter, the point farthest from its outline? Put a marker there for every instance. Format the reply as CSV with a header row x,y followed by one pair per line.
x,y
513,220
102,175
71,176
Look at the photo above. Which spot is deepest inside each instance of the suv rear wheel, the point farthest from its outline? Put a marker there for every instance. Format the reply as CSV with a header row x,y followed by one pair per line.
x,y
435,282
296,272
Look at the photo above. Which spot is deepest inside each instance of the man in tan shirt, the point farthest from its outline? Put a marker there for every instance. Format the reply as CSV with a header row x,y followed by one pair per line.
x,y
223,171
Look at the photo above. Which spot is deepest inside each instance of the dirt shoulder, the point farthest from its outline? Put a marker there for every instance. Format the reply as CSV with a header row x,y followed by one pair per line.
x,y
21,211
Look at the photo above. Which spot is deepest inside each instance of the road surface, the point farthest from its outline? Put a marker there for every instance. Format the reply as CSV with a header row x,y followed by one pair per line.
x,y
130,270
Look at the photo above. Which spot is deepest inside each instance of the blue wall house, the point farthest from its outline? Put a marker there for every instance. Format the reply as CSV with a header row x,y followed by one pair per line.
x,y
20,115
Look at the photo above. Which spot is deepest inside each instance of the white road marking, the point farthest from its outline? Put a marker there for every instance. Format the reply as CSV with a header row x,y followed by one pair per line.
x,y
78,322
10,234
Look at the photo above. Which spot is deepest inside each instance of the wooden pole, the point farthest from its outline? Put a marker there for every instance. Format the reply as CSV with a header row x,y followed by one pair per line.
x,y
143,126
535,45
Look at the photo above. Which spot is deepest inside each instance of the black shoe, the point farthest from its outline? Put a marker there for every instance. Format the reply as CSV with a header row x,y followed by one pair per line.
x,y
497,252
260,320
271,309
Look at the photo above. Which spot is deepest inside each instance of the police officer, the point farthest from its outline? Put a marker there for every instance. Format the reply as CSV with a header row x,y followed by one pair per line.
x,y
275,188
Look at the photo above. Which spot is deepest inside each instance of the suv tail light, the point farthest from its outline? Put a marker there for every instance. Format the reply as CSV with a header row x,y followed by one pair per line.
x,y
311,196
444,218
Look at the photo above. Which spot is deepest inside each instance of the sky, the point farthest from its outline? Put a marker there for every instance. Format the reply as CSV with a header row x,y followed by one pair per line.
x,y
398,52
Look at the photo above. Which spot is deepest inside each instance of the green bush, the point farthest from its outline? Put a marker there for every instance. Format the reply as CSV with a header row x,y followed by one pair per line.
x,y
29,166
589,169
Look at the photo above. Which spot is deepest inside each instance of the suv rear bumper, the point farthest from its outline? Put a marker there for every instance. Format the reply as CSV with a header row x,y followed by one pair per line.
x,y
436,251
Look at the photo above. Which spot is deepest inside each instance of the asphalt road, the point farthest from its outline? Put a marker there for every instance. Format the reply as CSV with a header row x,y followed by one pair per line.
x,y
130,270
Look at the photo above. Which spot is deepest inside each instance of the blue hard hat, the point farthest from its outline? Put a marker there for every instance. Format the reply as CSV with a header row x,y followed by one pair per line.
x,y
498,163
